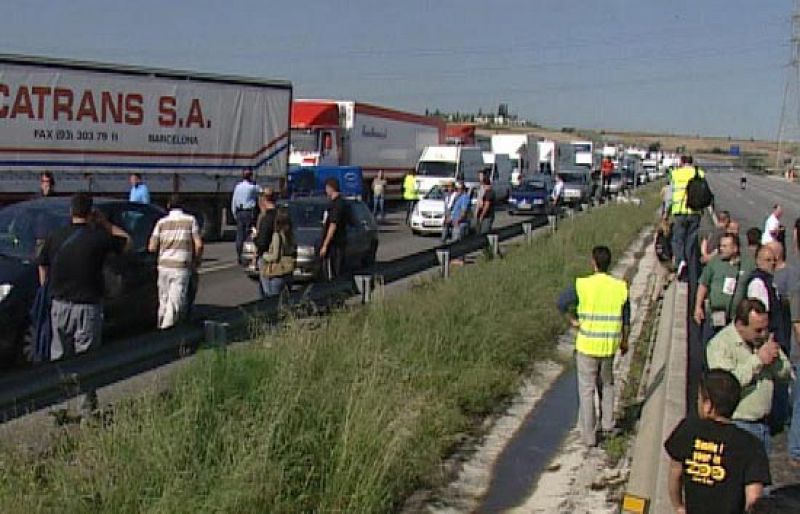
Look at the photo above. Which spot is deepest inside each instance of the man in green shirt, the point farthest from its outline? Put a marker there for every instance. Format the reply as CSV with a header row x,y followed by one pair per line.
x,y
746,349
722,283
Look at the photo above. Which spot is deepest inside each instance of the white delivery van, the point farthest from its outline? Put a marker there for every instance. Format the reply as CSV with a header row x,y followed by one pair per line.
x,y
439,165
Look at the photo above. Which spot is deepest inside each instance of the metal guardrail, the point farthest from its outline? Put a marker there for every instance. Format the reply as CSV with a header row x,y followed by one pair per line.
x,y
25,391
664,405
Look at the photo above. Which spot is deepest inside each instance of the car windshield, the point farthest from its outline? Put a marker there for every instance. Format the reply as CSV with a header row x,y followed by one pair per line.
x,y
436,193
304,141
572,178
24,226
533,185
436,169
307,214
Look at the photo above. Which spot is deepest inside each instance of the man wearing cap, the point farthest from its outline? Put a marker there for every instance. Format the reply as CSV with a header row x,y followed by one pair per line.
x,y
243,204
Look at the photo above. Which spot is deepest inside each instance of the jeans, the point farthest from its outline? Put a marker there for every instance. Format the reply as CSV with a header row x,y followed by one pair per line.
x,y
273,286
684,242
758,429
409,209
244,221
378,206
594,373
794,429
447,232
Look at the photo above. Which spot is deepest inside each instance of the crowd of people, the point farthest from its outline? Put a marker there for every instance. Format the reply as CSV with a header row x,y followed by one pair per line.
x,y
746,305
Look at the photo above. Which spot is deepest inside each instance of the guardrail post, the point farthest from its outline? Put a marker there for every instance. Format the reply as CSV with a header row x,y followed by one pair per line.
x,y
570,212
216,333
527,229
364,284
443,256
585,207
551,222
494,244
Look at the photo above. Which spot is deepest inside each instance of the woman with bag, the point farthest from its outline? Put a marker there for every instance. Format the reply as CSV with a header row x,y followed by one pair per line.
x,y
279,261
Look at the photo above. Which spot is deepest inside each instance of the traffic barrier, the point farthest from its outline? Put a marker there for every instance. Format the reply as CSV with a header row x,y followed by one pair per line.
x,y
664,405
28,390
366,286
494,244
527,229
443,256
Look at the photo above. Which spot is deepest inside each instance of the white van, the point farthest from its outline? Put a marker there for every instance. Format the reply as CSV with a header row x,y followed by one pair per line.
x,y
500,176
440,165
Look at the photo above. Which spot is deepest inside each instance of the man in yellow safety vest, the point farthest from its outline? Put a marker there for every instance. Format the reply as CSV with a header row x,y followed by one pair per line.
x,y
597,307
686,221
410,194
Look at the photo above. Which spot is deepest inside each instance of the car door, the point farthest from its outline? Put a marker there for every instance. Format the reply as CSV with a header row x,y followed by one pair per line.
x,y
131,278
358,231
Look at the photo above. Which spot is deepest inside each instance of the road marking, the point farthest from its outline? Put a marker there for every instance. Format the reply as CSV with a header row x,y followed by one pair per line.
x,y
217,267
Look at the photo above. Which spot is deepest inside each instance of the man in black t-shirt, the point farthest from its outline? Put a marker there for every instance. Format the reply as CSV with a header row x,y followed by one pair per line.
x,y
334,234
72,259
716,467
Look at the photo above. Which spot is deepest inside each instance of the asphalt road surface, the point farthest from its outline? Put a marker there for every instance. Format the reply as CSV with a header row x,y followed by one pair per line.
x,y
224,284
752,206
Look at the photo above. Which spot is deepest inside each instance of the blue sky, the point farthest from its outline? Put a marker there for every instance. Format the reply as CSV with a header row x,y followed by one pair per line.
x,y
714,67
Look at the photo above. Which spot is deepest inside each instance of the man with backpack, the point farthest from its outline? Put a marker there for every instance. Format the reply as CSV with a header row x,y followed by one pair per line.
x,y
690,195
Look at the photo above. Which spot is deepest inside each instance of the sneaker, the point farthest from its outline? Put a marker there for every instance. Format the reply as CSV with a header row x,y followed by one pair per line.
x,y
679,274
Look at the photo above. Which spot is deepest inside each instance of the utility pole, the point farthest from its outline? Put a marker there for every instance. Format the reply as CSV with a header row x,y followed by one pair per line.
x,y
789,127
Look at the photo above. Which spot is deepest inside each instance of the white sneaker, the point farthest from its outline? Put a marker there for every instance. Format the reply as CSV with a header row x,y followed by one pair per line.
x,y
681,269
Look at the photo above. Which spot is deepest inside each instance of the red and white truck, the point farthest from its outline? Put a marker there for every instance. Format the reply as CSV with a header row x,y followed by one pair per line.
x,y
92,125
346,133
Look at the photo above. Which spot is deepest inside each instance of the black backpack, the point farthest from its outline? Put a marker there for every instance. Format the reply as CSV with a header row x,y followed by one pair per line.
x,y
698,194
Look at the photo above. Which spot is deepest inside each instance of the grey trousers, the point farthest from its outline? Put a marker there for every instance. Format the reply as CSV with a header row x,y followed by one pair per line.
x,y
595,374
77,327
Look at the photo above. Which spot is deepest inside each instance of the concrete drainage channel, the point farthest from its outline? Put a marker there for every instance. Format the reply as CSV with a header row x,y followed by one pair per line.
x,y
30,390
530,456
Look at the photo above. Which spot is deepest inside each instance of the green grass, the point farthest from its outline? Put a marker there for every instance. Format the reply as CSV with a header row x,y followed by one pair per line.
x,y
350,417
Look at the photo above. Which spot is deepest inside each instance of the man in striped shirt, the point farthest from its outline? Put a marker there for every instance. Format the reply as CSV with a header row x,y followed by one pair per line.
x,y
176,239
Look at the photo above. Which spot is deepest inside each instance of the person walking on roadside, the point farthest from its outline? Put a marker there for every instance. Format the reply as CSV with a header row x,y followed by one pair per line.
x,y
722,283
772,227
606,170
486,206
746,349
263,238
334,239
715,465
709,244
555,200
686,221
598,308
460,212
47,185
378,196
410,194
243,204
72,260
761,285
139,192
176,241
279,261
448,197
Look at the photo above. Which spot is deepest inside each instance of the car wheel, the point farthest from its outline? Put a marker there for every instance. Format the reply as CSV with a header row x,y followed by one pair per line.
x,y
371,256
27,346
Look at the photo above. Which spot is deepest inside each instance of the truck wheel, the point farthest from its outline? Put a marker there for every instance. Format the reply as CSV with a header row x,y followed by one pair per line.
x,y
209,217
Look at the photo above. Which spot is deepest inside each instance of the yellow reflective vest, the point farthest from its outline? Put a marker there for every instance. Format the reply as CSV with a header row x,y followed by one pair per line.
x,y
679,178
410,187
601,299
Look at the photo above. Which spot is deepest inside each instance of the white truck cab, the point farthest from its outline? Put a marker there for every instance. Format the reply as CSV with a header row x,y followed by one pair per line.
x,y
440,165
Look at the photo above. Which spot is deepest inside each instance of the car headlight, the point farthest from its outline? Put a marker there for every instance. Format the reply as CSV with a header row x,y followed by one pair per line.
x,y
306,251
5,290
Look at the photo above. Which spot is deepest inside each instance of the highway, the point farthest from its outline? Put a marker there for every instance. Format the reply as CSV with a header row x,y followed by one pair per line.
x,y
752,206
224,284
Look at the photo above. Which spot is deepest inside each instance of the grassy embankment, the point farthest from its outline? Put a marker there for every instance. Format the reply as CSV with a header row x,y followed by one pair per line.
x,y
350,417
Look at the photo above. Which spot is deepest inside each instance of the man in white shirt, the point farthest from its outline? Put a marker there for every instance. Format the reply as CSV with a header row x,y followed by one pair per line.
x,y
176,239
772,227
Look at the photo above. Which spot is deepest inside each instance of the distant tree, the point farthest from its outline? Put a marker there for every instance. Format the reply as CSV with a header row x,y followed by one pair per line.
x,y
480,112
426,112
502,110
654,147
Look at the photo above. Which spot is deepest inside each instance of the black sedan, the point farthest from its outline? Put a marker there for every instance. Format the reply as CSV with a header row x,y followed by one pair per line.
x,y
307,216
131,299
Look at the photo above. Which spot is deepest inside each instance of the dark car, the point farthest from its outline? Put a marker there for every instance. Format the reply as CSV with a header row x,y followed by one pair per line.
x,y
531,196
131,297
307,215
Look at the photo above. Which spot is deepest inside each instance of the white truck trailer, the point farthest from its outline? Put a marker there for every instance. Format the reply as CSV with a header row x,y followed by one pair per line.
x,y
345,133
91,125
